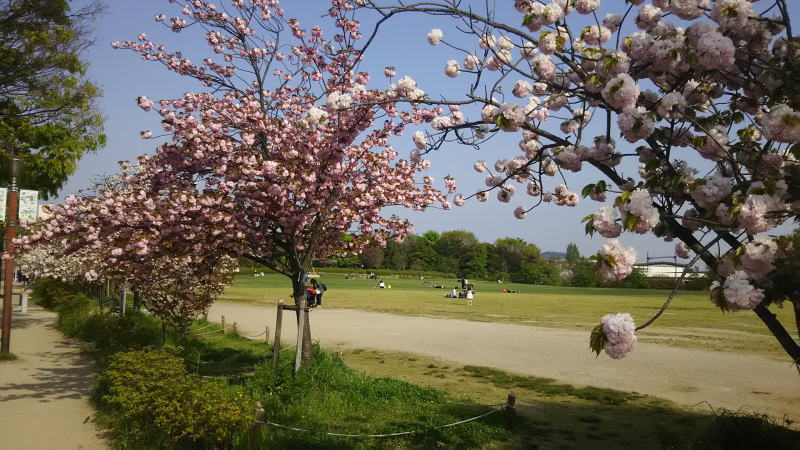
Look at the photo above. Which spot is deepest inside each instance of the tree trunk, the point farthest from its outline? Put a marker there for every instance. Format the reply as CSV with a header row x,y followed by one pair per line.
x,y
137,300
797,316
780,333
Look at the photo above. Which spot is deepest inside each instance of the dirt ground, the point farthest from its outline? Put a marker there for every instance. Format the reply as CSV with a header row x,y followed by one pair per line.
x,y
694,378
44,395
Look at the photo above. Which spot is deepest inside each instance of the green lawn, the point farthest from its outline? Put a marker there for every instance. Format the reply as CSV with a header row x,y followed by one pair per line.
x,y
691,321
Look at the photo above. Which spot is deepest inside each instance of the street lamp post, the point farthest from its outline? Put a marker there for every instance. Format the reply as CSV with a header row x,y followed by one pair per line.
x,y
8,257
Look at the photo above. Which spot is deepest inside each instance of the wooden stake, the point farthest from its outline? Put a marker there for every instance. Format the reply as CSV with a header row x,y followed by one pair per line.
x,y
276,344
301,323
223,324
512,400
234,327
258,417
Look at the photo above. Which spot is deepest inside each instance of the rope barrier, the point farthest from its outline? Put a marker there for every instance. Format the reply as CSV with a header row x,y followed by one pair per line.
x,y
205,327
402,433
207,332
253,336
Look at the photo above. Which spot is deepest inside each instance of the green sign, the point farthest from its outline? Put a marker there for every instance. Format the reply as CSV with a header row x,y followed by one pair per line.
x,y
28,205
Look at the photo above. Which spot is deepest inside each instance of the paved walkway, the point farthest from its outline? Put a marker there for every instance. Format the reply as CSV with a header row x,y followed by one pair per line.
x,y
44,395
685,376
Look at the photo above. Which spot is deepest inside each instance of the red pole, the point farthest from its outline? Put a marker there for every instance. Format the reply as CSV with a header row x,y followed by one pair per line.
x,y
8,257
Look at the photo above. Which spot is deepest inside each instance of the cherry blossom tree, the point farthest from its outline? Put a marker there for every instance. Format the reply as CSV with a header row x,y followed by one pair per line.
x,y
283,158
702,94
104,235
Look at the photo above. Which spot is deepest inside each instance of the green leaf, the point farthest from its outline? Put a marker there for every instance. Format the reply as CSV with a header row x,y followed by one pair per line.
x,y
630,221
589,228
610,260
527,19
588,189
717,297
560,41
597,340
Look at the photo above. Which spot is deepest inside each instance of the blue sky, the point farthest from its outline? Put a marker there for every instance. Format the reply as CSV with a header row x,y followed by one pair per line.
x,y
123,77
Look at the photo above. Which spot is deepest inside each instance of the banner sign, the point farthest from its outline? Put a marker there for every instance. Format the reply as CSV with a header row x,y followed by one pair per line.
x,y
28,205
3,200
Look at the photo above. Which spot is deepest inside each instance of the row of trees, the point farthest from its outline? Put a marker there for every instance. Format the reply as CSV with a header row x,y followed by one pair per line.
x,y
461,253
506,259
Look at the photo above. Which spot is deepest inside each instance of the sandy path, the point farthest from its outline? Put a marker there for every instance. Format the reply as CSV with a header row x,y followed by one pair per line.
x,y
44,395
682,375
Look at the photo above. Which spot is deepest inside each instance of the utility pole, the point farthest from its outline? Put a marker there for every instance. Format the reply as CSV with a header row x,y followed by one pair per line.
x,y
8,257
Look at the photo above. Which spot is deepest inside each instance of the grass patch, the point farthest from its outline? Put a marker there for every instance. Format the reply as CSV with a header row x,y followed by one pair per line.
x,y
548,386
690,322
560,419
325,397
8,357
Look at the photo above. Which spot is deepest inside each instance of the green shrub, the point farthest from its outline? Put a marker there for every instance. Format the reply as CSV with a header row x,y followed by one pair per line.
x,y
78,318
729,430
50,293
73,311
151,392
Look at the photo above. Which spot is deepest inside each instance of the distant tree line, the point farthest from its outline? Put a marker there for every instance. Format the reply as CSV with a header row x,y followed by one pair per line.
x,y
506,259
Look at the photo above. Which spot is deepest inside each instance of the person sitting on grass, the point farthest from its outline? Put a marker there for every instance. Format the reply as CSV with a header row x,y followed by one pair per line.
x,y
381,284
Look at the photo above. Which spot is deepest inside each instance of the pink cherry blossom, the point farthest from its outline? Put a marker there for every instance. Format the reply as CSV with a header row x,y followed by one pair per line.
x,y
604,222
682,251
740,293
622,259
621,92
435,36
758,257
452,69
619,331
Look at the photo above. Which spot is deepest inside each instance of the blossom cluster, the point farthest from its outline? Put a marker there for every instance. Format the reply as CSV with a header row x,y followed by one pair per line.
x,y
616,260
619,331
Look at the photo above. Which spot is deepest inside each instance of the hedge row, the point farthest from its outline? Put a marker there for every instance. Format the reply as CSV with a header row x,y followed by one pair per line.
x,y
387,272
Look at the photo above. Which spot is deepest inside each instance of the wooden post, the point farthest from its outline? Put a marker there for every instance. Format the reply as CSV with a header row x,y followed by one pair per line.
x,y
512,400
234,327
266,334
122,303
255,430
301,324
223,324
276,344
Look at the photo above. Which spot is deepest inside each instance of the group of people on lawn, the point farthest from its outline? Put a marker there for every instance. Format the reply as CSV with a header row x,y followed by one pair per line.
x,y
467,291
315,291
